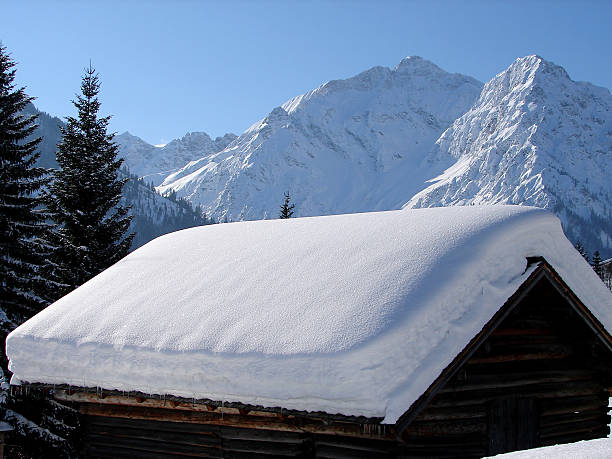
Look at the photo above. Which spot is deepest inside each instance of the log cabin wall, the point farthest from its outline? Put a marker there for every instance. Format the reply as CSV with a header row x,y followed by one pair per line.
x,y
116,431
539,379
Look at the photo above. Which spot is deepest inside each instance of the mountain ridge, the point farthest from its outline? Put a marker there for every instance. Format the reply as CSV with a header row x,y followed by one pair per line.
x,y
342,129
534,137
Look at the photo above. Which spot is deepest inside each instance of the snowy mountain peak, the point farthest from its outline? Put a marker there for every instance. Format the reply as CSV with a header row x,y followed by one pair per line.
x,y
377,125
417,65
155,163
534,137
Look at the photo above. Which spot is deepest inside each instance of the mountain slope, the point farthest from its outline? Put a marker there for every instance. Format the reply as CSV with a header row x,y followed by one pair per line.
x,y
534,137
154,163
348,146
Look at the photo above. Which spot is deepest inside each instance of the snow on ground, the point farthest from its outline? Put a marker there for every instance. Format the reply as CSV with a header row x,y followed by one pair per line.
x,y
354,314
592,449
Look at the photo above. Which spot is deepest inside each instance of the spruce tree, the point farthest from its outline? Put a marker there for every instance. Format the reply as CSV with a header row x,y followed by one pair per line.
x,y
596,264
581,250
41,426
22,220
84,196
286,209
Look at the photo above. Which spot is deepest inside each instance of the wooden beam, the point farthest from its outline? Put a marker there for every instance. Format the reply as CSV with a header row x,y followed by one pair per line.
x,y
250,421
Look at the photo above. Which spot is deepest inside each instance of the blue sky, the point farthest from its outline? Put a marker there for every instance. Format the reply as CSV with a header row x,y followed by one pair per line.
x,y
170,67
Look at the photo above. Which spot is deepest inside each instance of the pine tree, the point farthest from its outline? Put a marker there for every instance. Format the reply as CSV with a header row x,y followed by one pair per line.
x,y
581,250
84,195
286,209
24,264
596,264
22,221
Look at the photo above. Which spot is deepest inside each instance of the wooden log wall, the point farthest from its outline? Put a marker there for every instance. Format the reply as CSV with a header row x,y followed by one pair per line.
x,y
543,353
117,437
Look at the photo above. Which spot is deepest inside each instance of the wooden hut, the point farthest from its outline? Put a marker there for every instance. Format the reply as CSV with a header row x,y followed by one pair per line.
x,y
456,332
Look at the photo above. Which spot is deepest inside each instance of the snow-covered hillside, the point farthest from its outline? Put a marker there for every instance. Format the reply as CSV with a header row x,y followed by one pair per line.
x,y
350,145
154,163
534,137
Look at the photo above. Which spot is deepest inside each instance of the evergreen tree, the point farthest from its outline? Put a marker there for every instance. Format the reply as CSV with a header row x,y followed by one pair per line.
x,y
41,426
22,222
581,250
84,195
286,209
596,264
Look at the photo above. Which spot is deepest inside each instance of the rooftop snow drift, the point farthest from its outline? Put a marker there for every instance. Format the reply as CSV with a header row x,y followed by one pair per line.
x,y
353,314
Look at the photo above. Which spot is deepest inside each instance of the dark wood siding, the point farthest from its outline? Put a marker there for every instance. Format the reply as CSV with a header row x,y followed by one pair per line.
x,y
116,437
542,354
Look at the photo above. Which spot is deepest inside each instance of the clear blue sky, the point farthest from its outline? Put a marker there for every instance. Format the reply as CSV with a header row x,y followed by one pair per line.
x,y
169,67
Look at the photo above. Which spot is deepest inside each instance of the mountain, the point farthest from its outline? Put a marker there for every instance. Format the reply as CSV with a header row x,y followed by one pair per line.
x,y
49,129
154,163
533,137
348,146
153,214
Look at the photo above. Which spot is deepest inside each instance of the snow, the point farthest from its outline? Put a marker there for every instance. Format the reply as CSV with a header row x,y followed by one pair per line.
x,y
349,145
155,162
354,314
534,137
591,449
415,134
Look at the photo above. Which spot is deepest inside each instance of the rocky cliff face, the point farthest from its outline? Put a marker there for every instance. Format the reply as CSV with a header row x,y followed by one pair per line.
x,y
534,137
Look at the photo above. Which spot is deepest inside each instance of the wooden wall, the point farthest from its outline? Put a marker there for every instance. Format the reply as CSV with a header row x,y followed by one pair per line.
x,y
541,371
116,437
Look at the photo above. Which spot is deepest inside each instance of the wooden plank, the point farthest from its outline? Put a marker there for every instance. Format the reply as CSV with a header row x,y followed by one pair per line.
x,y
567,418
554,407
288,424
452,413
334,452
501,431
439,428
522,332
103,449
492,381
572,428
263,447
526,423
544,391
555,354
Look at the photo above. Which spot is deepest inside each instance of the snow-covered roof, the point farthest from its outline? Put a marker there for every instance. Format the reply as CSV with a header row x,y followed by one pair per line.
x,y
354,314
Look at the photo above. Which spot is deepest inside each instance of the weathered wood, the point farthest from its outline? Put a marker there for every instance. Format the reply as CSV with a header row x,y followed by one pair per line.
x,y
144,449
290,424
568,418
522,332
464,426
155,436
572,428
366,444
559,352
452,413
106,399
493,381
553,407
334,452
